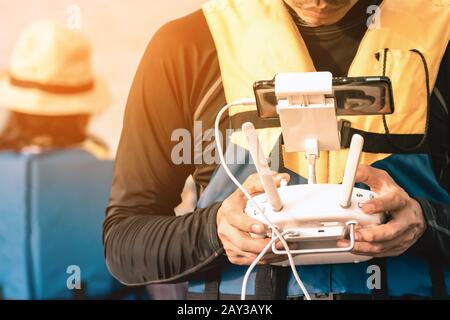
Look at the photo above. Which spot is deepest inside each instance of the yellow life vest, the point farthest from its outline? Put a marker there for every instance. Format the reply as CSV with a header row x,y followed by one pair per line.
x,y
256,39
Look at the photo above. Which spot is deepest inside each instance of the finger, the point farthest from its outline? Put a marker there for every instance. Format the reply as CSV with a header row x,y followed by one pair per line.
x,y
279,245
233,251
392,201
378,249
373,250
243,222
381,233
248,259
236,201
363,248
254,186
292,245
374,178
401,243
240,261
244,242
278,177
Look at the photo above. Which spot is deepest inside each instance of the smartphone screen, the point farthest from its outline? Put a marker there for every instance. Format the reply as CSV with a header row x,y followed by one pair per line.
x,y
266,99
353,96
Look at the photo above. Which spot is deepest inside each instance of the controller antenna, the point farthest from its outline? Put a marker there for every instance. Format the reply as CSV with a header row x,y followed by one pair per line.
x,y
350,170
264,172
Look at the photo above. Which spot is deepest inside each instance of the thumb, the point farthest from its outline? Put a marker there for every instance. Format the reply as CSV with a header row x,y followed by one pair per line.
x,y
244,223
278,177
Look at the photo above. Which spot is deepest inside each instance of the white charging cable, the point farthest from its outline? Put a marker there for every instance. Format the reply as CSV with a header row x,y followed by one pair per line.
x,y
312,154
279,236
256,261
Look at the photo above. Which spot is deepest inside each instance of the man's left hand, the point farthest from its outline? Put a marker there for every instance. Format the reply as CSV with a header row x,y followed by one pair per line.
x,y
406,223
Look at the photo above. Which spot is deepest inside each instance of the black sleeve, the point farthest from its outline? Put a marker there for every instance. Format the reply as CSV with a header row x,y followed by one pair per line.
x,y
435,242
439,132
144,241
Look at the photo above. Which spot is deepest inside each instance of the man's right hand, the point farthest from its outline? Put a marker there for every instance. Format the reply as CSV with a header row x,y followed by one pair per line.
x,y
234,226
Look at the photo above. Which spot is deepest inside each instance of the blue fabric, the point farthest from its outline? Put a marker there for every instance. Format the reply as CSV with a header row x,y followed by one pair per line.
x,y
350,278
407,275
414,173
447,279
51,217
220,186
315,278
232,278
15,279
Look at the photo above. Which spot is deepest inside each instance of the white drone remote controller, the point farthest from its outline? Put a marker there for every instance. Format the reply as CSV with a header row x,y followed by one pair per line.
x,y
316,215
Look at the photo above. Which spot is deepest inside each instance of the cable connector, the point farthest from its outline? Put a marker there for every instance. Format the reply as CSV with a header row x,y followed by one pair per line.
x,y
312,147
312,154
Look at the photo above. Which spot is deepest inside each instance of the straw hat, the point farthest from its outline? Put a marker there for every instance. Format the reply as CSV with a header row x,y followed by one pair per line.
x,y
50,74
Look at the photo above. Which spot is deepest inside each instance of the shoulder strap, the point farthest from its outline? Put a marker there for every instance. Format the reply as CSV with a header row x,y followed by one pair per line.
x,y
373,142
437,276
271,282
381,143
212,286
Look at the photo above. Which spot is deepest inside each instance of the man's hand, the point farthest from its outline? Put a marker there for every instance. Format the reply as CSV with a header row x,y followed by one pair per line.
x,y
406,222
234,226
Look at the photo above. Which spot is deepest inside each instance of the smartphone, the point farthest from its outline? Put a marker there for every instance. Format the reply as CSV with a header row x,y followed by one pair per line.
x,y
353,96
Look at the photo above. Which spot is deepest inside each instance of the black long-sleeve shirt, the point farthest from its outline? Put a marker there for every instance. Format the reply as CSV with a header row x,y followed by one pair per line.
x,y
178,82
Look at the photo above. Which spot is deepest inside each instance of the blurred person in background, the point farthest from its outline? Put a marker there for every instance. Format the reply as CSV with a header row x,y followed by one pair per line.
x,y
51,92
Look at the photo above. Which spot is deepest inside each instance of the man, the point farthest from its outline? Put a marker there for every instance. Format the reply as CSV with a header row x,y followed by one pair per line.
x,y
180,81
